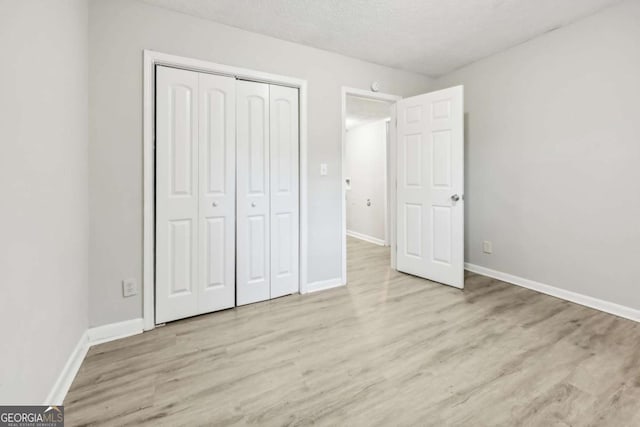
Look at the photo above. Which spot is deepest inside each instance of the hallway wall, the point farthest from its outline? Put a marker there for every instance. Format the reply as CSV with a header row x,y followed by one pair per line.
x,y
365,165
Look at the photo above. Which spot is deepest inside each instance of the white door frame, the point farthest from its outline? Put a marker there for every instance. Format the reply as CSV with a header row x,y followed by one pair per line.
x,y
153,58
390,191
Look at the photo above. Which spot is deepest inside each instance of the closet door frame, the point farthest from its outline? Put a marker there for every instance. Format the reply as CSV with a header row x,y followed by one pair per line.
x,y
150,60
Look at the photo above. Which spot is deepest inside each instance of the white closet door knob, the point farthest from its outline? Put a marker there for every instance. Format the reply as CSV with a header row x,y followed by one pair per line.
x,y
214,204
253,204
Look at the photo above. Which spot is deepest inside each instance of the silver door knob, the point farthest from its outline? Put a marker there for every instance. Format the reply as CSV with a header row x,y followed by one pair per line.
x,y
253,204
214,204
455,197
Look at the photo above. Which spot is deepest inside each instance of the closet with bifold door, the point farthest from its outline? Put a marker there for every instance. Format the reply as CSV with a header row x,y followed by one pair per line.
x,y
226,192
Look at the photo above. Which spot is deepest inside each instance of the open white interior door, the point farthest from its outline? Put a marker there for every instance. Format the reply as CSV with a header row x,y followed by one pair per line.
x,y
430,181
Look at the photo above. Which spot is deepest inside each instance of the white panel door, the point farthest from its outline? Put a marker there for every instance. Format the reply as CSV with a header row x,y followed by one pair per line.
x,y
176,194
430,206
253,227
283,113
217,172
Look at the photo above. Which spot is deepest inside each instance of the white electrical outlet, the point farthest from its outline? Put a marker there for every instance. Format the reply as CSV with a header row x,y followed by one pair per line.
x,y
487,247
129,287
323,169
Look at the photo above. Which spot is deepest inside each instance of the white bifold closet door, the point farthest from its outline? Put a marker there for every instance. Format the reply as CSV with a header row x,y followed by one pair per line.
x,y
267,191
253,191
195,193
283,103
227,227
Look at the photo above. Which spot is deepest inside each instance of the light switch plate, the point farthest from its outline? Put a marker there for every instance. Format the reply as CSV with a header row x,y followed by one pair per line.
x,y
487,247
129,288
323,169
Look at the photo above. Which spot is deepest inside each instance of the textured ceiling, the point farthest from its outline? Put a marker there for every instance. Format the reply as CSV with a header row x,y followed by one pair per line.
x,y
363,110
431,37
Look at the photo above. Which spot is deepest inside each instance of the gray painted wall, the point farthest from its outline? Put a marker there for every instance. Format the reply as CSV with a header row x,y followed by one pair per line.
x,y
365,164
43,182
553,155
119,31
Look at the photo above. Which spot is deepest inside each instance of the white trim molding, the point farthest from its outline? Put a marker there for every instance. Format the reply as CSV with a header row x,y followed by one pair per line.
x,y
89,338
390,179
150,60
114,331
323,285
587,301
366,238
69,371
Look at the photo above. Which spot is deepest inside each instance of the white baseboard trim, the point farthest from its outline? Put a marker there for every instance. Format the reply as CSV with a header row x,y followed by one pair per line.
x,y
366,238
63,383
92,336
598,304
114,331
323,285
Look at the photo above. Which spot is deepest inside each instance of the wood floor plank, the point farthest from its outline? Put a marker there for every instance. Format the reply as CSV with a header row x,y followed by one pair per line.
x,y
388,349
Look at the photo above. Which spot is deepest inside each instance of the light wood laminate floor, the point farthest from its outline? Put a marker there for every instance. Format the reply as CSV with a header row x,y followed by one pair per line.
x,y
389,349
